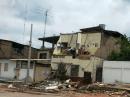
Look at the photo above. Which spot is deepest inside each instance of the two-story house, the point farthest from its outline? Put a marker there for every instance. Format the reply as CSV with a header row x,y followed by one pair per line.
x,y
82,53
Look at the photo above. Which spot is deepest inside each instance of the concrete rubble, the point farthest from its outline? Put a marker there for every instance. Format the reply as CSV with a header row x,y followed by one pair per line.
x,y
109,89
52,85
56,86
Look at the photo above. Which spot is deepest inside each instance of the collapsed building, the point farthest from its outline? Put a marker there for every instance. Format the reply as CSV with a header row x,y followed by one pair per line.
x,y
82,53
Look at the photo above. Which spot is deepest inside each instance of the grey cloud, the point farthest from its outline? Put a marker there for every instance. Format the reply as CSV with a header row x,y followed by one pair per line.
x,y
32,10
65,16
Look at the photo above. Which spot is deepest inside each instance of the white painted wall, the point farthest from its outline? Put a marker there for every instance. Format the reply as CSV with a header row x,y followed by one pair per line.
x,y
11,66
23,73
11,70
116,71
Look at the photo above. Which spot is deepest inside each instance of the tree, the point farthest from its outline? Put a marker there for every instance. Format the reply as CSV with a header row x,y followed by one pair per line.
x,y
124,54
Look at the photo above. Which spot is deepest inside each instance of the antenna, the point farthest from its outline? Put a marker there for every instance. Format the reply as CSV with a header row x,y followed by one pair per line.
x,y
46,14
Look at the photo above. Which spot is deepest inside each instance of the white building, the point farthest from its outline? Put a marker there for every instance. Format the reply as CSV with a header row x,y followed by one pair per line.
x,y
10,69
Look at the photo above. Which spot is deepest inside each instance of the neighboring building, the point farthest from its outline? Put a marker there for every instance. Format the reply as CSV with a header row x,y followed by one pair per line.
x,y
13,50
43,67
116,72
13,60
83,52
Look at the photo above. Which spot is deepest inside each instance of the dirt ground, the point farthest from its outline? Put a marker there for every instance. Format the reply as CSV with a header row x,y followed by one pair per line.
x,y
69,94
4,92
74,94
16,94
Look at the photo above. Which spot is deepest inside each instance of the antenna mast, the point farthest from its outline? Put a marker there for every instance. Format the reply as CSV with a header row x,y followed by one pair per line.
x,y
46,14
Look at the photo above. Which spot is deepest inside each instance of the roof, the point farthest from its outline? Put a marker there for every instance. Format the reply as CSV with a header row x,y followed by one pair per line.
x,y
18,43
100,29
112,33
31,59
52,39
96,28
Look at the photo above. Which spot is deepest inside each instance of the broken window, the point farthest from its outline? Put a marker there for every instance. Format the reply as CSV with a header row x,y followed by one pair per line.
x,y
73,52
43,56
74,70
64,44
6,67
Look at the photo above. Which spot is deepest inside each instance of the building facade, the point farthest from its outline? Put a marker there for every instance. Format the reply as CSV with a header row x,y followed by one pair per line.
x,y
83,52
13,60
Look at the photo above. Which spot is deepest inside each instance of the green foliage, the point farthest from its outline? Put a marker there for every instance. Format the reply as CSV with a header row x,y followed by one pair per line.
x,y
124,54
61,72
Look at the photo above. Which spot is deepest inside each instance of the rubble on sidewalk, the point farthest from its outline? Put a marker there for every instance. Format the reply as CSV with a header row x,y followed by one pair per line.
x,y
108,89
52,86
57,86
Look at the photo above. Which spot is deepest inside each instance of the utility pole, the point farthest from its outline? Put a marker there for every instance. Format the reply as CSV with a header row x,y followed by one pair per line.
x,y
29,55
46,14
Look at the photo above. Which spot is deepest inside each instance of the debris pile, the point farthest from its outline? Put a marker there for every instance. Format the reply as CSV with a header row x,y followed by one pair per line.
x,y
53,86
57,86
103,88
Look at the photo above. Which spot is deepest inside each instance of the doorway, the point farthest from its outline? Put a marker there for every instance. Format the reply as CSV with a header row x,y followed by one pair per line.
x,y
87,77
99,74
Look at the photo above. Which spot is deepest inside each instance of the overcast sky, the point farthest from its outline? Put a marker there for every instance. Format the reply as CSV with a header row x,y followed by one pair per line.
x,y
64,16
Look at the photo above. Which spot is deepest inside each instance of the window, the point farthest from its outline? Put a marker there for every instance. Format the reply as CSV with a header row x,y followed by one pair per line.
x,y
74,70
64,44
24,64
18,64
43,56
6,67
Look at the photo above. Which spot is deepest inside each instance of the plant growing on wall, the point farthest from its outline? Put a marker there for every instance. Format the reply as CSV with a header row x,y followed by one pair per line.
x,y
124,54
61,72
